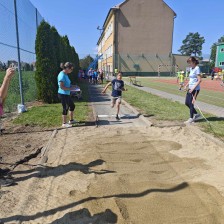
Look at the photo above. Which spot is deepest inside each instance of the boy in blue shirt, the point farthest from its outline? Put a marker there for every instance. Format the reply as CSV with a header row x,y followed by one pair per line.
x,y
117,88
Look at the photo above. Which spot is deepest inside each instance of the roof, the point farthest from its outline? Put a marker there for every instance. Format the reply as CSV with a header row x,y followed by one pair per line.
x,y
108,15
218,44
170,8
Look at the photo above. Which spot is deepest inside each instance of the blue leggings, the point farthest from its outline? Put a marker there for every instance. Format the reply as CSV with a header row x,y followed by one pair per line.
x,y
188,102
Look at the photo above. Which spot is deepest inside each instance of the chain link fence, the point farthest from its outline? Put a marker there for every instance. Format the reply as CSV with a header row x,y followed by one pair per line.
x,y
28,19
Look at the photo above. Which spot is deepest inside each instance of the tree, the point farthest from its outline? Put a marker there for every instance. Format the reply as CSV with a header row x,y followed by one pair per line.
x,y
85,62
213,52
192,45
46,64
51,50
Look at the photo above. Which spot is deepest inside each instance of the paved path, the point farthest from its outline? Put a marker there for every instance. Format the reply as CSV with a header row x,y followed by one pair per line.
x,y
208,108
106,115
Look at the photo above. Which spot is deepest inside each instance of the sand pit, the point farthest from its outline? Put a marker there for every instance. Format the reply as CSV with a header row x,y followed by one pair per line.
x,y
122,175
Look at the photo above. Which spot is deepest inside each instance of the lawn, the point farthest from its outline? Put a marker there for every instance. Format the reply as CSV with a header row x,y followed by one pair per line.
x,y
164,109
49,115
206,96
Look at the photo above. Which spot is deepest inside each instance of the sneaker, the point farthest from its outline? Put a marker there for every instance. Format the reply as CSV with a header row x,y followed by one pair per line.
x,y
73,122
189,121
66,125
117,118
5,182
196,117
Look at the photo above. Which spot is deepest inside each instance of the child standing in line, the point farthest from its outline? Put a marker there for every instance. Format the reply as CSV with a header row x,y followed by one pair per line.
x,y
117,88
180,78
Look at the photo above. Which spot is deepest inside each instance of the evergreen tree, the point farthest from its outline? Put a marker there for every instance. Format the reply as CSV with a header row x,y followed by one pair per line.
x,y
45,64
192,44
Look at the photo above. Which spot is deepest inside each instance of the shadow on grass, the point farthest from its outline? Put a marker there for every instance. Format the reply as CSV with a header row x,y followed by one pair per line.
x,y
211,119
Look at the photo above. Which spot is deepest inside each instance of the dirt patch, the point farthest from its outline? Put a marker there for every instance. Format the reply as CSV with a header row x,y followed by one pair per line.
x,y
17,142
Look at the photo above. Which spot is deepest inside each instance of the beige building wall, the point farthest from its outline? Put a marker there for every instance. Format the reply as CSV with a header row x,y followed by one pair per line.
x,y
145,26
142,37
181,61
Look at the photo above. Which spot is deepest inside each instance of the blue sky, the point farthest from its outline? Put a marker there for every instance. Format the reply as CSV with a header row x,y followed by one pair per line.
x,y
80,18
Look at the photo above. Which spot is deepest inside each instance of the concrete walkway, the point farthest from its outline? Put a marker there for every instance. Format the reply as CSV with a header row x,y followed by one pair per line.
x,y
208,108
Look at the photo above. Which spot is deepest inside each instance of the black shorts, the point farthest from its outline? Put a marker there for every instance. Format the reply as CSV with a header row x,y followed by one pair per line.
x,y
67,103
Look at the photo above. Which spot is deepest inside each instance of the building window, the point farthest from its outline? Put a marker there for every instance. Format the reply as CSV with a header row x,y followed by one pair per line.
x,y
221,63
222,50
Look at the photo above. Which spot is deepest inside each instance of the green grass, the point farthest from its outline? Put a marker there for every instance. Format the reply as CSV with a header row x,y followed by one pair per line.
x,y
49,115
164,109
206,96
29,90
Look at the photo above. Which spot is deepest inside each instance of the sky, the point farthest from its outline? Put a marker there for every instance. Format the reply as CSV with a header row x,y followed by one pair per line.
x,y
79,20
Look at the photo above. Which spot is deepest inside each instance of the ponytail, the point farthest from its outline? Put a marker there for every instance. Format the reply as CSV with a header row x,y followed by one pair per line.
x,y
66,65
193,60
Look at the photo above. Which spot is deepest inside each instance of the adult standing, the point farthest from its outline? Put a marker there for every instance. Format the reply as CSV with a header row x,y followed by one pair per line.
x,y
4,179
64,91
193,88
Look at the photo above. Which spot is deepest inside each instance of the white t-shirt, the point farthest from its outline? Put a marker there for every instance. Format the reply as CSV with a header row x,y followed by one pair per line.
x,y
194,72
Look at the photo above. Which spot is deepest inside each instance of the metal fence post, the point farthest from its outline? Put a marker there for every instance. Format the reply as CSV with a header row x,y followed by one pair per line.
x,y
36,19
18,51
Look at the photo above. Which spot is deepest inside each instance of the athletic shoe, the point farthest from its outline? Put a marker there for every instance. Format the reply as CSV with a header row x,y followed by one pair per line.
x,y
5,182
117,118
189,121
196,117
66,125
73,122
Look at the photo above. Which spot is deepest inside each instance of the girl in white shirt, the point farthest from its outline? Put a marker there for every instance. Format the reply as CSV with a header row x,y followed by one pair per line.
x,y
193,89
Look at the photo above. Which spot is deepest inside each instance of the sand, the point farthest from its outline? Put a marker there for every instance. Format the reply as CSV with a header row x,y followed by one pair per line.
x,y
111,174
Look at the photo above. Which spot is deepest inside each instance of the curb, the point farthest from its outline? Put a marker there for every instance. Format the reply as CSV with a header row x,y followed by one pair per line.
x,y
46,149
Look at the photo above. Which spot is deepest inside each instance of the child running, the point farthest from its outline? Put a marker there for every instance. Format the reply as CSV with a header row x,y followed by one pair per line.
x,y
194,89
117,88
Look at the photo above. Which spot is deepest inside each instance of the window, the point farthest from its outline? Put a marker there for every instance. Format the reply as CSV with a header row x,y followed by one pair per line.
x,y
221,63
222,50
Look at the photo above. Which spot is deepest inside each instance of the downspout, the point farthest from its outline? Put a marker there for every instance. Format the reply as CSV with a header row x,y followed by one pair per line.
x,y
114,44
172,57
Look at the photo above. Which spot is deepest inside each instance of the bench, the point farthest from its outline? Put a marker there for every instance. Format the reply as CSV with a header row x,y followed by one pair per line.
x,y
133,80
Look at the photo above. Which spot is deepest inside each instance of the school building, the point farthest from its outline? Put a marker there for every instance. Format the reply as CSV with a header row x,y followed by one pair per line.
x,y
137,39
220,55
